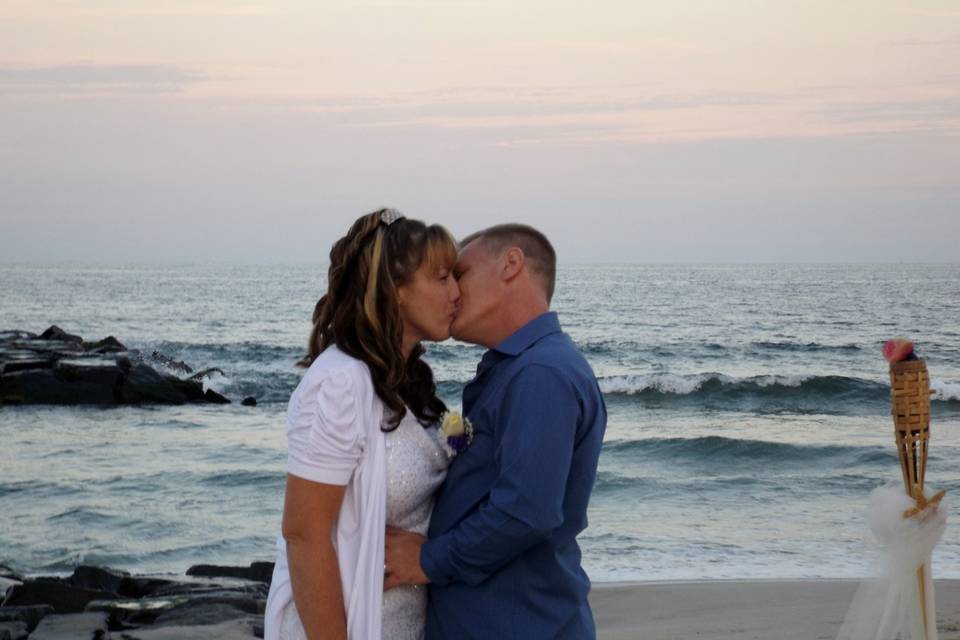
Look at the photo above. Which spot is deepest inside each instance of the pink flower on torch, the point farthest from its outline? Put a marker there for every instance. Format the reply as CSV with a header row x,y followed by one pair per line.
x,y
897,349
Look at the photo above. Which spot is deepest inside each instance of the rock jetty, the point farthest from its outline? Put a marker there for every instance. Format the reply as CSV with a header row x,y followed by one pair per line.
x,y
56,367
97,603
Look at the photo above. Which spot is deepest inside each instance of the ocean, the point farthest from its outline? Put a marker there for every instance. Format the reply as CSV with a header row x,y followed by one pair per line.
x,y
748,414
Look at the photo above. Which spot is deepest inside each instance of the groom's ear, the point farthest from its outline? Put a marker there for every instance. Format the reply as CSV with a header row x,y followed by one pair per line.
x,y
512,263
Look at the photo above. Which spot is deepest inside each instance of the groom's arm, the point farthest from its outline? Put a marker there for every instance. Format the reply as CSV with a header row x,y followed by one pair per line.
x,y
538,418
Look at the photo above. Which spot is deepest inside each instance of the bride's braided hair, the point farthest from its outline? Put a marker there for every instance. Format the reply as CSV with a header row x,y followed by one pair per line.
x,y
359,312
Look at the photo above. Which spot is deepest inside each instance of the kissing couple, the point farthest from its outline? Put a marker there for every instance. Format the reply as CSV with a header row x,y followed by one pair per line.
x,y
402,520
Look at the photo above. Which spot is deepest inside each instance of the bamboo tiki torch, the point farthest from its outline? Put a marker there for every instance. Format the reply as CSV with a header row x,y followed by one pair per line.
x,y
910,394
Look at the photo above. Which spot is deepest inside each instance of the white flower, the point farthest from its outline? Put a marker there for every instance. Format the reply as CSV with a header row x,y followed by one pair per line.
x,y
455,433
452,425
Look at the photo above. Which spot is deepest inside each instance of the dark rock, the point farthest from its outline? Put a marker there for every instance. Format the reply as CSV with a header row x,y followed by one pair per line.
x,y
195,392
243,590
54,368
213,397
145,385
66,383
11,335
25,365
135,612
13,631
149,586
195,613
64,598
187,609
257,571
258,628
180,588
59,335
102,579
107,345
232,630
36,347
73,626
249,402
253,603
30,616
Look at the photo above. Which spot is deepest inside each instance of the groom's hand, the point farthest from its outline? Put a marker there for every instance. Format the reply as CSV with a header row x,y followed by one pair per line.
x,y
401,561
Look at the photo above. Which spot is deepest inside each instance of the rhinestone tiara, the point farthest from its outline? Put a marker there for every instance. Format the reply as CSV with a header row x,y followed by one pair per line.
x,y
389,216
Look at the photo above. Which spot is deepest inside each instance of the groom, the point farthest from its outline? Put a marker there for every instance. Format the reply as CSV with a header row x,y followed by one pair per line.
x,y
502,557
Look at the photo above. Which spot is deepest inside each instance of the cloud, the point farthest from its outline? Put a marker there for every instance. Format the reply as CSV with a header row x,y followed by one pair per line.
x,y
945,42
512,102
515,116
933,110
423,4
167,8
87,78
918,10
657,46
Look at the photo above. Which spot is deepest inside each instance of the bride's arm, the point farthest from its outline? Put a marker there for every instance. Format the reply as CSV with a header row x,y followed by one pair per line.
x,y
310,513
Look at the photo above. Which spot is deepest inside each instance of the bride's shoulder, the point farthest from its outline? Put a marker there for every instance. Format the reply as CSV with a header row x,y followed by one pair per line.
x,y
333,365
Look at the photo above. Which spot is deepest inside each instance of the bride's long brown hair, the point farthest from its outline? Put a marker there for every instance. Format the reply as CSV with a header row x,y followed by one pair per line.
x,y
359,313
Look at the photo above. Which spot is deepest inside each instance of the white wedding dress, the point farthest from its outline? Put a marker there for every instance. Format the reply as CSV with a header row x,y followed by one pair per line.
x,y
416,467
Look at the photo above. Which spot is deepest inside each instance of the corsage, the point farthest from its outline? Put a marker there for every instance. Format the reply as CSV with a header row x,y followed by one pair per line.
x,y
455,433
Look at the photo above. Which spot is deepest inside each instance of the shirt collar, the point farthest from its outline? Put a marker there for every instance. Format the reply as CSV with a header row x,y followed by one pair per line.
x,y
528,334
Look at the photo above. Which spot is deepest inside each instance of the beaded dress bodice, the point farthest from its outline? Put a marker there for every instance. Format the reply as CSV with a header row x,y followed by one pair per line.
x,y
416,467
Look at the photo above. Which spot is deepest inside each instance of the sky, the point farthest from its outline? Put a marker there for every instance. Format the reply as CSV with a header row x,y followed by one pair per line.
x,y
628,131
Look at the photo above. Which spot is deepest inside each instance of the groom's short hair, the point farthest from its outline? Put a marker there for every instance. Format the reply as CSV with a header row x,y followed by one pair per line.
x,y
538,253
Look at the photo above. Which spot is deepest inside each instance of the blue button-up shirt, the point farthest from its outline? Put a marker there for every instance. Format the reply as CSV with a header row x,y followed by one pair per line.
x,y
502,557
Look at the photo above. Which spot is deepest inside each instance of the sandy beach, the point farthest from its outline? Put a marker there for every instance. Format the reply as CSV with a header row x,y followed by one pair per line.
x,y
740,610
224,602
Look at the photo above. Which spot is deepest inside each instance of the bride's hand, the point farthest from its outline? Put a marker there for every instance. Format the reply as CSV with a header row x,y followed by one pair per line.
x,y
401,563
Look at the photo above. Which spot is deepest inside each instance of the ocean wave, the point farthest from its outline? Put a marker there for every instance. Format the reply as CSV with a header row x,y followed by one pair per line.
x,y
675,384
162,480
804,346
610,481
37,488
216,381
711,349
84,515
450,389
721,451
267,372
260,479
736,486
212,353
452,351
766,394
945,391
172,560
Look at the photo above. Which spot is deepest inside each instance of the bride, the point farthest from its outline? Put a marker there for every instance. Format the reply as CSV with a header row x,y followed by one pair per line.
x,y
363,449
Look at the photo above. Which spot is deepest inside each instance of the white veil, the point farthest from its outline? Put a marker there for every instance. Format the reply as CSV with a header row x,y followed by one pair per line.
x,y
888,607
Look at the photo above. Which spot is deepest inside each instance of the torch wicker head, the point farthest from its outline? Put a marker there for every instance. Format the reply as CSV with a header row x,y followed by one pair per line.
x,y
910,393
